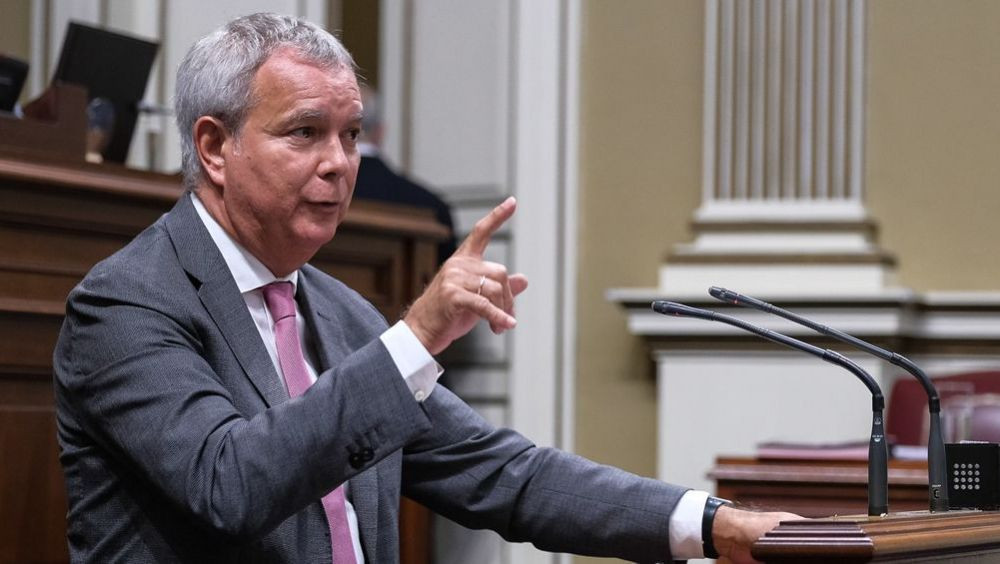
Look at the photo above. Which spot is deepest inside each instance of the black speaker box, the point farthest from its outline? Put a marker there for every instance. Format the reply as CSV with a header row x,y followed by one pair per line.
x,y
973,475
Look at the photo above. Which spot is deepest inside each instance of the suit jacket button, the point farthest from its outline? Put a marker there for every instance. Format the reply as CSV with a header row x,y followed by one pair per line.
x,y
368,454
356,460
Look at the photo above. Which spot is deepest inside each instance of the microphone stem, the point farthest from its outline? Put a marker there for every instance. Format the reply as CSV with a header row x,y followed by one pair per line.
x,y
937,470
878,468
878,452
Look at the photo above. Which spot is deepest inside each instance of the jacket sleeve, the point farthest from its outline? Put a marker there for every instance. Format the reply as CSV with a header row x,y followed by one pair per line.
x,y
483,477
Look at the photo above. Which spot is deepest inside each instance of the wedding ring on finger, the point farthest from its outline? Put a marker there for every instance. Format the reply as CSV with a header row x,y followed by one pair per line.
x,y
482,281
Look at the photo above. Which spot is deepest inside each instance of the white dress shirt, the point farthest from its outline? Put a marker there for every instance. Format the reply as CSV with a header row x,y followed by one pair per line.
x,y
415,363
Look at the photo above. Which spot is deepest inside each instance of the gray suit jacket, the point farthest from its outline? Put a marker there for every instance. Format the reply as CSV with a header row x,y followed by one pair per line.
x,y
179,442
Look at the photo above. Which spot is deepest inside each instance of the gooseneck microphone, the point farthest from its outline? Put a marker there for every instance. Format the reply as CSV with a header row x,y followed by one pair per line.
x,y
878,453
937,469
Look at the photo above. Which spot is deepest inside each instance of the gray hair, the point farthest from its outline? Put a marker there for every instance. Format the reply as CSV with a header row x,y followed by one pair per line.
x,y
216,75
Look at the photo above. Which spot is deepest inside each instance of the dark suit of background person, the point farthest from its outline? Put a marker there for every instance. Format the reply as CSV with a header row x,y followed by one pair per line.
x,y
376,181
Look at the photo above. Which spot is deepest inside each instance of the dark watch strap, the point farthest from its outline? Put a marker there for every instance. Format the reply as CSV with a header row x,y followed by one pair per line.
x,y
711,506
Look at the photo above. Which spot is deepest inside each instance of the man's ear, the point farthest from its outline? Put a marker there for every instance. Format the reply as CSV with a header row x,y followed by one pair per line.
x,y
211,138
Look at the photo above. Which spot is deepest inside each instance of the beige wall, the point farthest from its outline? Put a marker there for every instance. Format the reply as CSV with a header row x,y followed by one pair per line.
x,y
359,30
933,170
640,172
15,28
640,167
15,33
932,175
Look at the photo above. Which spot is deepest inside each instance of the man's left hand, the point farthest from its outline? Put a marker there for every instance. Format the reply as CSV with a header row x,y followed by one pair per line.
x,y
467,289
735,531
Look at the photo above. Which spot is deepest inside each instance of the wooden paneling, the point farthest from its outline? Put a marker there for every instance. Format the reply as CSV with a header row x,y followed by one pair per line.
x,y
57,220
54,124
32,494
817,488
836,493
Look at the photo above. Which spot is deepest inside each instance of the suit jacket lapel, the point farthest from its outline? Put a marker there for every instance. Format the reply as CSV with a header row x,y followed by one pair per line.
x,y
320,313
221,297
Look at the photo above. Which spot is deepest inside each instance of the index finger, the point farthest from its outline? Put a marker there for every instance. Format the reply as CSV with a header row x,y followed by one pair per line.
x,y
484,229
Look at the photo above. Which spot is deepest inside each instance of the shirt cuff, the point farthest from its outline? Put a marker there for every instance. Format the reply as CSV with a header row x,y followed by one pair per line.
x,y
419,369
685,526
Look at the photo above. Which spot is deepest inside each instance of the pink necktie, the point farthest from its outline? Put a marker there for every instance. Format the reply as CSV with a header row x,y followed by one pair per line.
x,y
281,304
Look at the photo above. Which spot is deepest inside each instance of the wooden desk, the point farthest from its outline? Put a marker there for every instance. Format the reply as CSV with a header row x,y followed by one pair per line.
x,y
815,488
56,220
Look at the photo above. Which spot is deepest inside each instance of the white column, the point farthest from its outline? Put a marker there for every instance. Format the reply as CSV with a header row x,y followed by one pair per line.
x,y
773,93
545,93
838,160
856,97
784,120
481,103
789,88
758,99
783,144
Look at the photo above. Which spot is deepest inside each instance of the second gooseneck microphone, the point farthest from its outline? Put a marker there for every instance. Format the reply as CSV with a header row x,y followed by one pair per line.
x,y
937,471
878,452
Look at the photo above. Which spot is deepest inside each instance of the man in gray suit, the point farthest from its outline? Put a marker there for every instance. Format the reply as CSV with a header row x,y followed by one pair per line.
x,y
206,415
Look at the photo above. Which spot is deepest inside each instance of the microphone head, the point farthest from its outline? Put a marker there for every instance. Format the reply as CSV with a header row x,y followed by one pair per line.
x,y
674,308
724,294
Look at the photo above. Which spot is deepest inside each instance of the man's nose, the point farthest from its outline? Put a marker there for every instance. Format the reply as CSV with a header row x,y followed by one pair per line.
x,y
333,159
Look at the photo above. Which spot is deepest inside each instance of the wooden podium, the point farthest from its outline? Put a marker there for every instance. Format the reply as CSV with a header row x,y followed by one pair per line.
x,y
821,488
58,218
919,536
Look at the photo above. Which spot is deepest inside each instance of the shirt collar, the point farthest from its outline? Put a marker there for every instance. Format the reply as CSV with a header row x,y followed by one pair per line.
x,y
246,269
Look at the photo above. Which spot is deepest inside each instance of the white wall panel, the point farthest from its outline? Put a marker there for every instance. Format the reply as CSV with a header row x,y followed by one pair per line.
x,y
460,91
480,103
777,396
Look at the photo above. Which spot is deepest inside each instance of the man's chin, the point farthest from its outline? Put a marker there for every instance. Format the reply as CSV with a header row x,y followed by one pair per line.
x,y
316,239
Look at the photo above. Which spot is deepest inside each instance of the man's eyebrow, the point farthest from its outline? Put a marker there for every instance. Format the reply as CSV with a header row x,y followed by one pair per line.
x,y
305,114
313,114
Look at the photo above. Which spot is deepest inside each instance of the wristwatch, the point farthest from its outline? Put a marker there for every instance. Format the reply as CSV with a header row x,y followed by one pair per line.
x,y
708,519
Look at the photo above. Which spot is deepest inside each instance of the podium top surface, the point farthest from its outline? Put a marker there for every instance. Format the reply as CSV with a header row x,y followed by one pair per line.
x,y
907,536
